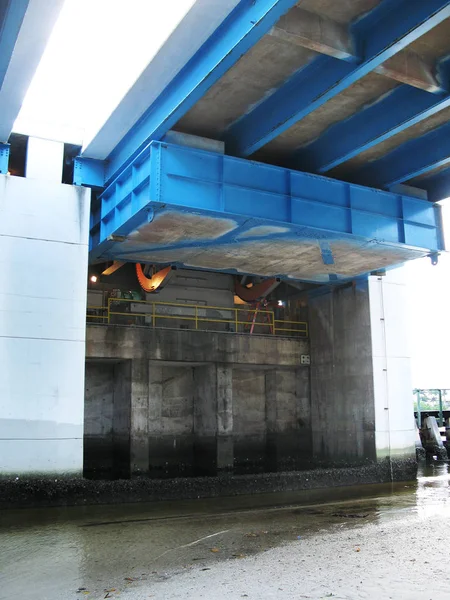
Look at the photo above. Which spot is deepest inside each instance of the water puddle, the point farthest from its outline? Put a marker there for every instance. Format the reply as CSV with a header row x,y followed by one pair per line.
x,y
99,551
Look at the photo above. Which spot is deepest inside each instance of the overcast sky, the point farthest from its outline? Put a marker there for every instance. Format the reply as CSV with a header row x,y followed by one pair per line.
x,y
97,51
429,316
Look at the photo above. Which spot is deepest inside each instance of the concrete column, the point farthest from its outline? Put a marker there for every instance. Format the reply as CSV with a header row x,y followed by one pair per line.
x,y
44,229
44,160
288,419
271,420
205,420
122,419
155,402
224,391
360,378
213,419
98,420
139,426
342,390
170,420
394,417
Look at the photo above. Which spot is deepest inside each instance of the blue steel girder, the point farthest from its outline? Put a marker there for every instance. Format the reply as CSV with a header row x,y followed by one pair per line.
x,y
402,108
253,202
437,185
240,31
383,33
12,13
412,159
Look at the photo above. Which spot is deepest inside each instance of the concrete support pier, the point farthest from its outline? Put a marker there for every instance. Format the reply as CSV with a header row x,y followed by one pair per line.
x,y
43,270
360,375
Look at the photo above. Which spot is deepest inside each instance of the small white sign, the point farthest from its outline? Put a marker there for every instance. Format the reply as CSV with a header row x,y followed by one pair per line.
x,y
305,359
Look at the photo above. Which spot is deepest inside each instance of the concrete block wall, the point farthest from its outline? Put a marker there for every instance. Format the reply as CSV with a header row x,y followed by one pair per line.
x,y
43,271
203,406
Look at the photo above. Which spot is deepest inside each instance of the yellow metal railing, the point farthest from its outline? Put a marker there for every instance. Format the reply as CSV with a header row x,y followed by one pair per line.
x,y
121,311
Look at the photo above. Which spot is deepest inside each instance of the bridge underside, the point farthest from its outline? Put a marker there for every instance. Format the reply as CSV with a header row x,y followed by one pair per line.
x,y
357,91
314,111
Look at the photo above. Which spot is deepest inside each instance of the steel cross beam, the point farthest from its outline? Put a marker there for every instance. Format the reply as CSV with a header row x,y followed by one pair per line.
x,y
381,35
412,159
401,109
240,31
321,34
437,185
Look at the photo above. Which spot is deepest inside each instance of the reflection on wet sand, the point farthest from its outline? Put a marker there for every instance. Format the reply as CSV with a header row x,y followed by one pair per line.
x,y
62,553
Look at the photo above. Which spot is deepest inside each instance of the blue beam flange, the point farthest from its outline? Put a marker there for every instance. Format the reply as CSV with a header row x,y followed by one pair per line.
x,y
412,159
239,32
379,36
402,108
4,158
166,177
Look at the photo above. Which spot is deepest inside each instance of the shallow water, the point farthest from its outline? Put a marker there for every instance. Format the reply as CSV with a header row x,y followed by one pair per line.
x,y
69,553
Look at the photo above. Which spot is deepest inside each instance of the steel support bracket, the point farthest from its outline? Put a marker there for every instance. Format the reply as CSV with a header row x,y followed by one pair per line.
x,y
4,159
434,256
89,172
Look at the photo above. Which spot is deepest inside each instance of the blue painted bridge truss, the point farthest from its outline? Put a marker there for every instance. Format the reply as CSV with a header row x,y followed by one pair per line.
x,y
179,205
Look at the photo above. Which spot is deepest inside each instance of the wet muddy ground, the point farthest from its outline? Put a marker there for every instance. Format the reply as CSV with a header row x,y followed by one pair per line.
x,y
379,541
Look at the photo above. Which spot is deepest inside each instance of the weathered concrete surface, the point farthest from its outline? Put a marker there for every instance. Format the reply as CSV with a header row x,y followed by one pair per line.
x,y
170,422
360,373
288,414
198,403
249,415
192,346
342,390
98,419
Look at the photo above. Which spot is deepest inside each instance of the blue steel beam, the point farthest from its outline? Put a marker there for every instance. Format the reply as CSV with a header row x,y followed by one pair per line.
x,y
437,185
401,109
379,36
23,37
412,159
239,32
12,13
314,207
